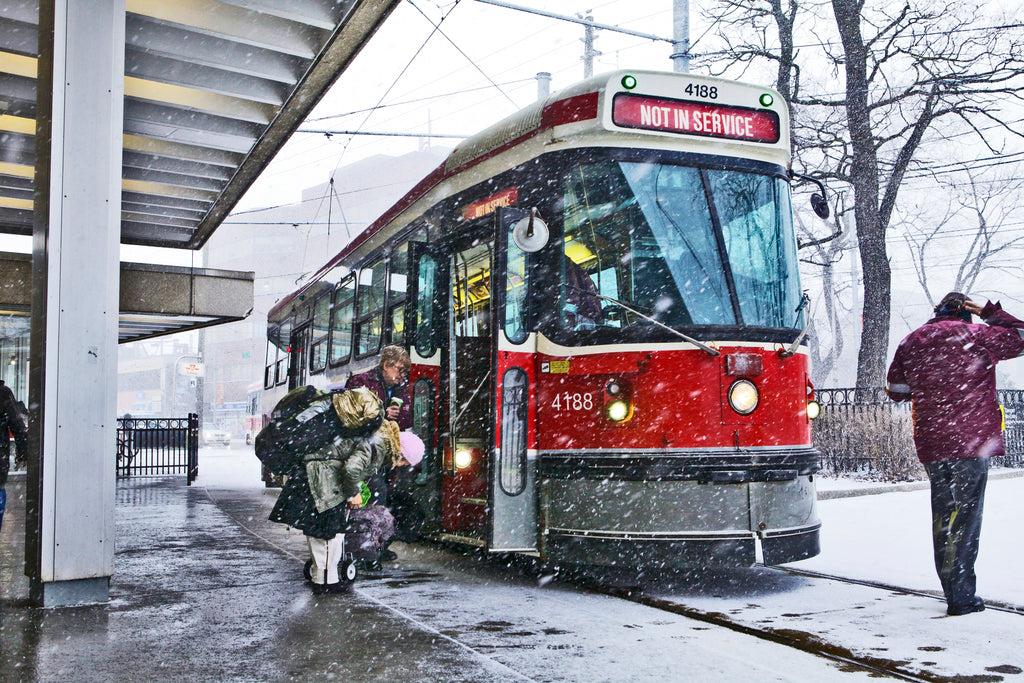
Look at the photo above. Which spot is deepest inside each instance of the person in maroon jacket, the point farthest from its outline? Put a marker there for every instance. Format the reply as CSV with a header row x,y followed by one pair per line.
x,y
946,368
390,381
11,424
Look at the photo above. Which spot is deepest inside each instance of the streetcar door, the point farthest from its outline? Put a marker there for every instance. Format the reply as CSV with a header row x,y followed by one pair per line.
x,y
299,346
428,300
469,389
512,514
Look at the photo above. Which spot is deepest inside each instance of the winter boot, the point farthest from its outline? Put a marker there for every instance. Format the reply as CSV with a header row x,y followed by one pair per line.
x,y
319,572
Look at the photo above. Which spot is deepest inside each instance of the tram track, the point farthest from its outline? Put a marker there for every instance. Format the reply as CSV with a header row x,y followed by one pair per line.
x,y
989,604
797,640
802,640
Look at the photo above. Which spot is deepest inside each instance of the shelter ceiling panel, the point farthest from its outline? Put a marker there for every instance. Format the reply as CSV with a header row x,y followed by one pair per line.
x,y
146,212
213,89
241,25
18,37
180,72
162,40
17,149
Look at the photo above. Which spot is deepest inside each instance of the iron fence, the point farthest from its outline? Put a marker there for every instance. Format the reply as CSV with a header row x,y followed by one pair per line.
x,y
156,446
842,446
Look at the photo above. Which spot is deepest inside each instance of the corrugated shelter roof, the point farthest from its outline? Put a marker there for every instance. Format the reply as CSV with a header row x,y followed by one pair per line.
x,y
213,89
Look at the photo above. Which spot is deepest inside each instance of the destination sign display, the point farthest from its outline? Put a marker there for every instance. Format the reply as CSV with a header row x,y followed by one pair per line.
x,y
695,118
489,204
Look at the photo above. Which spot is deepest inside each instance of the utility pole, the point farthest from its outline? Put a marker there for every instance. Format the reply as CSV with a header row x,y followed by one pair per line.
x,y
543,84
588,47
681,36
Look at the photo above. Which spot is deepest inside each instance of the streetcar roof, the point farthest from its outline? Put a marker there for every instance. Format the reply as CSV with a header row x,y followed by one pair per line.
x,y
579,104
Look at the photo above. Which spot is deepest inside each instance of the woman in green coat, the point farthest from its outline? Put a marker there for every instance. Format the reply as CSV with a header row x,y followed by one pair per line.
x,y
317,494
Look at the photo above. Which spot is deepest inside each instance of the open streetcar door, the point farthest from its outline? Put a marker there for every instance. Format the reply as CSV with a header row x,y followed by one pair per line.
x,y
512,512
298,347
425,313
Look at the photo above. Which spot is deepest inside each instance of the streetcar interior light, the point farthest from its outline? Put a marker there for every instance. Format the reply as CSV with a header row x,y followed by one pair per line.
x,y
617,411
813,410
767,100
463,459
743,396
628,82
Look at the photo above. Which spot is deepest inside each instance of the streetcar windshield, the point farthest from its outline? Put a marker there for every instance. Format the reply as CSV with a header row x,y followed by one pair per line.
x,y
679,245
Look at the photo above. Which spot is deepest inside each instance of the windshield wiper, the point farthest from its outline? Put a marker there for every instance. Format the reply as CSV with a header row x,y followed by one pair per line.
x,y
702,346
804,302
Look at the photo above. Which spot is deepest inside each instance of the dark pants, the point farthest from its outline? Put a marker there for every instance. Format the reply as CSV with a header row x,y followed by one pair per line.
x,y
958,493
3,505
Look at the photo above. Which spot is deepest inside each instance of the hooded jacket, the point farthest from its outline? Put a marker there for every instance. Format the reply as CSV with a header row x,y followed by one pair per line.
x,y
946,368
314,497
373,380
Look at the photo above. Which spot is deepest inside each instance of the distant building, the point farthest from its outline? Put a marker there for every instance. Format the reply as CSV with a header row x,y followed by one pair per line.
x,y
283,246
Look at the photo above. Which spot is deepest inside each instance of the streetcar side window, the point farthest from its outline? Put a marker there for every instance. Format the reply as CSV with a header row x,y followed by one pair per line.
x,y
471,291
370,308
515,291
341,321
321,329
423,418
273,344
425,330
285,334
398,269
514,404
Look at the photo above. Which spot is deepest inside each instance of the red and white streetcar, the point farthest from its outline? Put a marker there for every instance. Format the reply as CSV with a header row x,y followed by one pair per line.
x,y
601,301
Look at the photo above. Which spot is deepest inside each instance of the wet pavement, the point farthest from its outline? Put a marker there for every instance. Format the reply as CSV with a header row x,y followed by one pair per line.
x,y
197,597
205,588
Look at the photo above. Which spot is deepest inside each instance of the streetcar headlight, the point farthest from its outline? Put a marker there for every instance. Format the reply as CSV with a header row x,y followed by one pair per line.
x,y
617,411
813,410
743,396
463,459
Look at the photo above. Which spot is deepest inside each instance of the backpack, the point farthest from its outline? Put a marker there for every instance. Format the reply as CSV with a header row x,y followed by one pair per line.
x,y
300,422
305,420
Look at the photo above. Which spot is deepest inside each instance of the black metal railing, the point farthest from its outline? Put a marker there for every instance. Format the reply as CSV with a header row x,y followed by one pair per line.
x,y
846,414
157,446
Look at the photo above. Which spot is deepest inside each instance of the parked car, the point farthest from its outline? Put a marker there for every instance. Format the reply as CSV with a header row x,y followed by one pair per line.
x,y
215,437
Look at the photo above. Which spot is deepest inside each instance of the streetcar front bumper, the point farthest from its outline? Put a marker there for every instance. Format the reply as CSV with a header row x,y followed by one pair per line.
x,y
678,510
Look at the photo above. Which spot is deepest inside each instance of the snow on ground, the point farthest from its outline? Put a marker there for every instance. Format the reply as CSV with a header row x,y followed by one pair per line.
x,y
882,537
887,538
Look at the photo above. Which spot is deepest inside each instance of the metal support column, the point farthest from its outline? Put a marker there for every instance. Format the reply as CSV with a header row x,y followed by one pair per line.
x,y
681,36
76,238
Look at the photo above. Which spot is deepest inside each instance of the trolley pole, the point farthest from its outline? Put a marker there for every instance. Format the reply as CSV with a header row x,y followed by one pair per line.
x,y
588,47
681,36
543,84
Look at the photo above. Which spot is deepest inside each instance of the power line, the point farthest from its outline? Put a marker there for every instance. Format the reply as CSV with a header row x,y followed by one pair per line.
x,y
413,101
329,133
437,27
575,20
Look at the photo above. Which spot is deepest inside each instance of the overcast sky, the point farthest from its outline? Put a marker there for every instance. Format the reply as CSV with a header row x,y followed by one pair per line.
x,y
479,70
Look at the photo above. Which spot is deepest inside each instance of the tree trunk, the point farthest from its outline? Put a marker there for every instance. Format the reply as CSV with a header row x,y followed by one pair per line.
x,y
864,173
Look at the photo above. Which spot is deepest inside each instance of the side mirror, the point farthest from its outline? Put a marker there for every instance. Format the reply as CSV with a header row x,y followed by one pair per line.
x,y
530,234
818,203
820,206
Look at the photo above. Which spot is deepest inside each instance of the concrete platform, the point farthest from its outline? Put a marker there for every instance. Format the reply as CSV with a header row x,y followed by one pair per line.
x,y
195,596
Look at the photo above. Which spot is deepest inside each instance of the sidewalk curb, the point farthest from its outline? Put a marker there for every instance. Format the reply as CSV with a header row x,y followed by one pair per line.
x,y
908,486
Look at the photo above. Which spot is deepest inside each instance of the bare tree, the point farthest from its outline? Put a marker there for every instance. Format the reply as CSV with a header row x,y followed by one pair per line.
x,y
827,326
977,214
905,72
